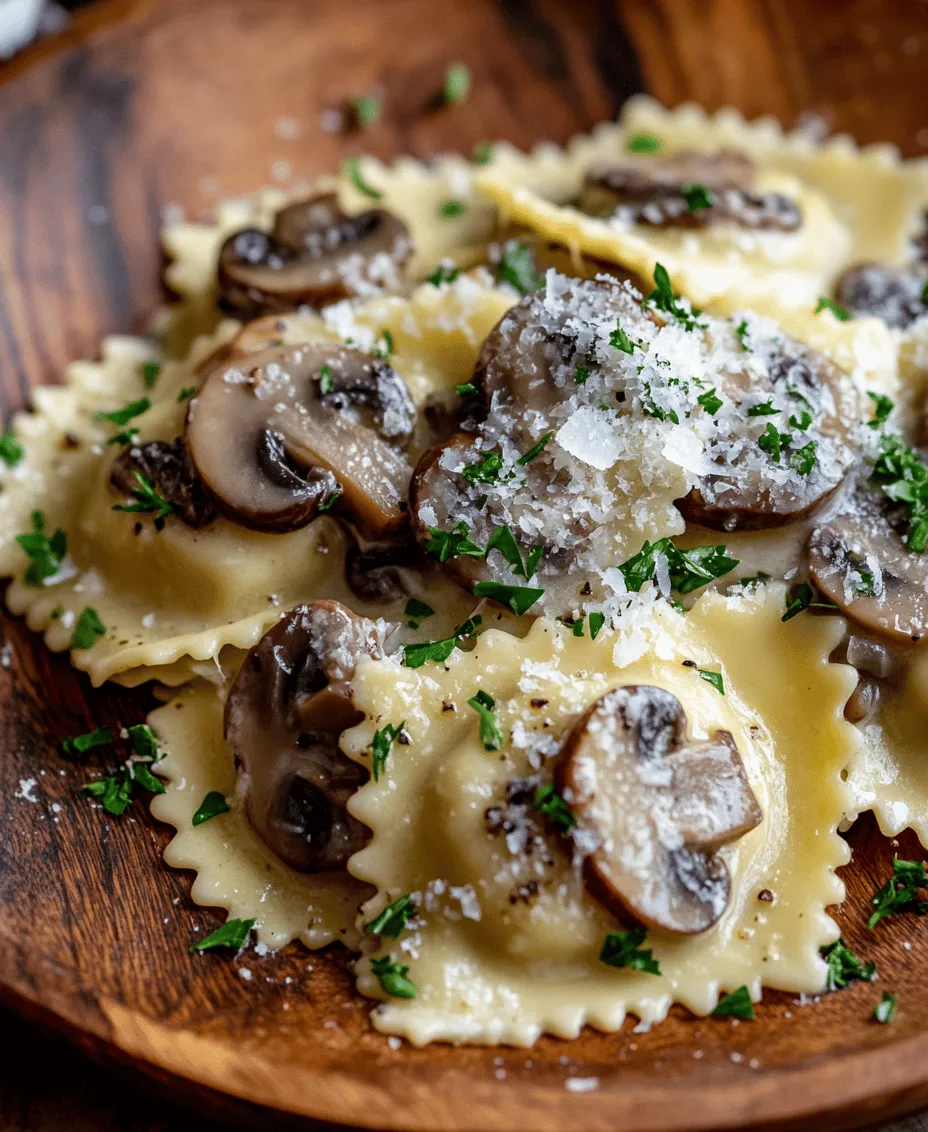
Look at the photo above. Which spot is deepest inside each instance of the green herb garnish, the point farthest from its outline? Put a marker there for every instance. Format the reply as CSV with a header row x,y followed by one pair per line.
x,y
802,597
485,706
444,273
75,746
482,153
214,804
885,1009
803,459
520,599
535,450
766,409
689,569
882,408
710,401
392,977
741,333
114,793
644,143
738,1004
414,656
87,629
233,933
623,949
844,967
664,299
505,542
150,373
836,309
148,501
697,198
772,440
11,451
452,209
901,892
393,919
903,476
714,678
621,341
457,83
453,544
547,801
144,742
486,470
418,611
382,742
597,620
517,268
45,553
366,110
582,374
467,389
352,169
186,393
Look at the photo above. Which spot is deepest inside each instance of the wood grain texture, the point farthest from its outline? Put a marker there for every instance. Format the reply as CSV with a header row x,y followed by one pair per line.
x,y
144,104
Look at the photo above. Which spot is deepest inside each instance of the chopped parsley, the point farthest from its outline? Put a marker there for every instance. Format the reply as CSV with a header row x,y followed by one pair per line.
x,y
485,706
329,502
689,569
453,544
758,579
414,656
121,417
352,169
903,476
644,143
382,742
392,977
151,371
597,620
714,678
505,542
186,393
664,299
547,801
803,459
885,1009
741,333
621,341
844,967
738,1004
882,408
901,892
766,409
387,348
393,919
367,110
697,198
802,421
517,268
482,153
452,209
457,83
824,303
582,374
233,933
148,502
75,746
214,804
772,440
486,470
467,389
520,599
11,451
710,401
114,793
45,553
576,628
418,611
325,381
802,597
87,628
144,742
444,273
623,949
535,450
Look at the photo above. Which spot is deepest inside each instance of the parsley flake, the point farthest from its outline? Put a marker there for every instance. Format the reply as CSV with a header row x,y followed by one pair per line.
x,y
582,374
714,678
214,804
772,440
452,544
689,569
144,743
11,451
151,370
802,598
114,793
352,169
382,742
505,542
517,268
885,1009
482,153
444,273
664,299
766,409
418,611
414,656
903,477
75,746
392,977
738,1004
621,341
485,706
710,401
393,919
383,352
87,629
547,801
697,198
120,417
467,389
149,501
644,143
901,892
233,933
457,83
623,949
367,110
882,408
844,967
802,421
452,209
45,553
803,459
597,620
741,333
186,393
535,450
486,470
520,599
824,303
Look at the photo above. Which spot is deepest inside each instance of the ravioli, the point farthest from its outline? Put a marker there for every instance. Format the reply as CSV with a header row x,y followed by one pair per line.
x,y
235,871
489,967
175,593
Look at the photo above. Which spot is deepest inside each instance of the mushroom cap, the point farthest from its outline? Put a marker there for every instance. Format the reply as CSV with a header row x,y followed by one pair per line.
x,y
272,448
754,491
315,254
652,809
859,561
653,190
894,294
285,711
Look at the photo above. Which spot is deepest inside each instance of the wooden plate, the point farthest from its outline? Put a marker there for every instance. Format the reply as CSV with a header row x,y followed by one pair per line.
x,y
142,105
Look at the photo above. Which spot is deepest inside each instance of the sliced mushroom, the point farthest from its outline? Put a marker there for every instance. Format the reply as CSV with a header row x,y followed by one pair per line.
x,y
859,560
284,432
652,809
660,191
894,294
285,712
379,572
757,488
167,467
314,255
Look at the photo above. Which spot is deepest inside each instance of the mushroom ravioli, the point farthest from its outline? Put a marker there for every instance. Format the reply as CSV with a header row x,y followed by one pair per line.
x,y
536,552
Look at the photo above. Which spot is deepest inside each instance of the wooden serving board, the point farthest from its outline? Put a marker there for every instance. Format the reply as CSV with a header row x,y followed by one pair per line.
x,y
144,104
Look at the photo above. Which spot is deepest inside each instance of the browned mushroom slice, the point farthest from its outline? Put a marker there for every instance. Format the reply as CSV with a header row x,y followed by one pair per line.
x,y
859,561
282,433
687,189
285,712
314,255
167,468
765,482
379,572
894,294
652,809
